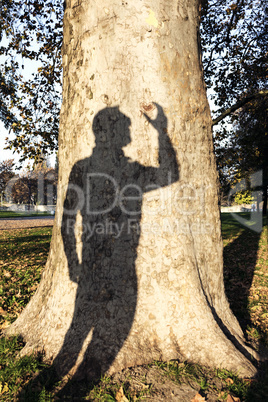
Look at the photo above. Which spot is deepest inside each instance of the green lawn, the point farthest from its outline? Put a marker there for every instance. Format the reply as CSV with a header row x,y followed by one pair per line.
x,y
11,214
22,258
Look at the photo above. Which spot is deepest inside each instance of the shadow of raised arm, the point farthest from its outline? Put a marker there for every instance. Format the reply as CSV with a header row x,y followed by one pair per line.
x,y
168,170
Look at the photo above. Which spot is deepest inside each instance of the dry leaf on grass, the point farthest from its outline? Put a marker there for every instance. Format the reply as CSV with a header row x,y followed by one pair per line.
x,y
198,398
4,325
120,397
229,381
3,388
231,398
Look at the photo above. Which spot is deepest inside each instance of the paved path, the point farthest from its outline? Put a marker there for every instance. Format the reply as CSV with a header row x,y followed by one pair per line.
x,y
25,223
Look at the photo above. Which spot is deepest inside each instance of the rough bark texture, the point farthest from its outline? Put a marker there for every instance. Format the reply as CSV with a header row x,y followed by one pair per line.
x,y
108,302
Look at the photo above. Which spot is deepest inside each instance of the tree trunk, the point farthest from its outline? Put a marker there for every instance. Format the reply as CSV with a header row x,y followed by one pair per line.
x,y
124,287
264,205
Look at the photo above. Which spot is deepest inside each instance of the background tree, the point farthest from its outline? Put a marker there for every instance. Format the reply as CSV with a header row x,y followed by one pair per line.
x,y
37,186
6,173
252,134
245,152
235,50
243,197
234,44
30,74
23,189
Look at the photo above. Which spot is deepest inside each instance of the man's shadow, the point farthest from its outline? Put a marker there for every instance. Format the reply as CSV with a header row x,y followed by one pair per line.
x,y
106,190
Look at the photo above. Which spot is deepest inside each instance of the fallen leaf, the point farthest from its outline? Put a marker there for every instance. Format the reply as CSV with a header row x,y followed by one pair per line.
x,y
4,388
250,380
198,398
4,325
231,398
229,381
120,396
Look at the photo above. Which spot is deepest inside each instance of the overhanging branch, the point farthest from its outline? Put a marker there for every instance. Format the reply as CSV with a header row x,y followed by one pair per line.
x,y
239,104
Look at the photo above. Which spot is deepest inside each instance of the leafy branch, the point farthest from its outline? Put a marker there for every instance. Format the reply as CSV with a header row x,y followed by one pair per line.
x,y
239,104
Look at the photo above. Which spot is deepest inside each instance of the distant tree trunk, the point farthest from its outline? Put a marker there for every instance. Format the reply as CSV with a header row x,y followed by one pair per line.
x,y
144,58
264,207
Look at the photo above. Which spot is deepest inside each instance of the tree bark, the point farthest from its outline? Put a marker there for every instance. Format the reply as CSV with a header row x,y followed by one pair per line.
x,y
156,291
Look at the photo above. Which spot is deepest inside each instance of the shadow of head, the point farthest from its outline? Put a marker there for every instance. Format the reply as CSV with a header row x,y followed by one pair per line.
x,y
111,128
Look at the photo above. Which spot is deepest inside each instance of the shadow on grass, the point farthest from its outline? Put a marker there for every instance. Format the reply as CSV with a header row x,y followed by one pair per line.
x,y
240,258
47,386
26,245
230,226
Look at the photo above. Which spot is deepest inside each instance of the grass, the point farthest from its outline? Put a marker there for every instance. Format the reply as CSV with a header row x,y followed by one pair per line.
x,y
22,259
23,256
15,373
24,214
246,275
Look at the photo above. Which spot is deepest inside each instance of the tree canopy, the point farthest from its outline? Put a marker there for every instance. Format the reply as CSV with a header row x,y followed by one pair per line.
x,y
235,53
30,74
234,49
